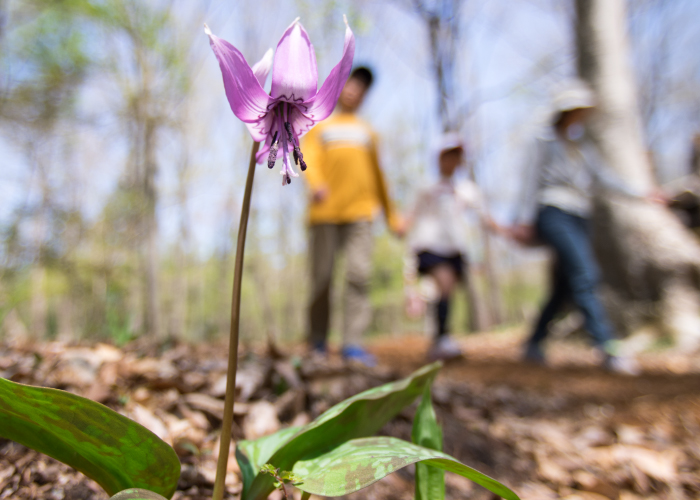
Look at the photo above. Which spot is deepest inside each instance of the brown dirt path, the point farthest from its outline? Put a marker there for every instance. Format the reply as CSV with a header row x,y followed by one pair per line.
x,y
570,429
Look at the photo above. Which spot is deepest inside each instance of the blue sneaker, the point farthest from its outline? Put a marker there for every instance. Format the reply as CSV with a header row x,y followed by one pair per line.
x,y
534,354
319,348
357,353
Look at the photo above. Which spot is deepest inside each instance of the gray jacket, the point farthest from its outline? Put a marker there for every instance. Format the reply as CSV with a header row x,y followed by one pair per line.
x,y
566,175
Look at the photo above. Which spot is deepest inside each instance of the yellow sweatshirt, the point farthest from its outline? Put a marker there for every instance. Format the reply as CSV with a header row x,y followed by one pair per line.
x,y
341,154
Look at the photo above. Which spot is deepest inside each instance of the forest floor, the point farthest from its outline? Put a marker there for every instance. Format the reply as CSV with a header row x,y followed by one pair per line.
x,y
569,430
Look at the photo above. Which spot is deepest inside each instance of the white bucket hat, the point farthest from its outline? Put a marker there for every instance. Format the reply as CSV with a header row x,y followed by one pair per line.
x,y
574,95
448,141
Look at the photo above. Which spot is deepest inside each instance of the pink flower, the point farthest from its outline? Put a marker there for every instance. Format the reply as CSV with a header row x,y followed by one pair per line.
x,y
294,105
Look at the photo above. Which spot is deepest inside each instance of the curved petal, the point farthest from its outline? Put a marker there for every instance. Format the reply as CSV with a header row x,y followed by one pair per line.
x,y
262,68
301,123
264,151
322,104
260,129
294,74
248,100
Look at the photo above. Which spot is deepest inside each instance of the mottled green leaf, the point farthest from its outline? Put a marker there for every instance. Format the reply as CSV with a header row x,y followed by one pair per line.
x,y
361,462
430,481
252,455
290,477
113,450
269,469
137,494
359,416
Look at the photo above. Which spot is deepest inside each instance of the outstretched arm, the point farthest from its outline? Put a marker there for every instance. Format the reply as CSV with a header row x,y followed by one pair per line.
x,y
314,157
605,177
393,218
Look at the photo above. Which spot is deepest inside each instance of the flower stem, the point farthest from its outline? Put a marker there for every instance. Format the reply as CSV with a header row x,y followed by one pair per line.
x,y
225,445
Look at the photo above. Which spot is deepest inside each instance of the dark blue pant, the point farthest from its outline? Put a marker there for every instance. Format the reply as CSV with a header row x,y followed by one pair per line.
x,y
576,276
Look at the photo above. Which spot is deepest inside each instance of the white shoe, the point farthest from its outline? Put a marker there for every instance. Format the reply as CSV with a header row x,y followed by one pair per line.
x,y
444,348
622,364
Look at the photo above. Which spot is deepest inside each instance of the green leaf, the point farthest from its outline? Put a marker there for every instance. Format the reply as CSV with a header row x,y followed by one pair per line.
x,y
290,477
253,455
359,416
426,431
137,494
113,450
269,469
430,481
361,462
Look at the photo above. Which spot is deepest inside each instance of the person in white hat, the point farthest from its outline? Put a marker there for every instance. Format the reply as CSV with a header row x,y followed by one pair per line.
x,y
561,178
438,238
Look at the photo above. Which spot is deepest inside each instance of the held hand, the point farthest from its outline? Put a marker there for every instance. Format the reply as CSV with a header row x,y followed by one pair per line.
x,y
319,195
398,226
658,196
494,227
523,233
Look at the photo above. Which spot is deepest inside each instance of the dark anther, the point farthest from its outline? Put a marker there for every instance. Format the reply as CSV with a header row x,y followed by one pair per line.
x,y
288,128
289,180
298,157
272,158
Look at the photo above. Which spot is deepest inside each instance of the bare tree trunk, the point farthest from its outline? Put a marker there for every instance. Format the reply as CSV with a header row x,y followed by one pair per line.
x,y
650,262
695,156
38,303
180,293
493,305
66,325
152,319
494,295
150,223
478,317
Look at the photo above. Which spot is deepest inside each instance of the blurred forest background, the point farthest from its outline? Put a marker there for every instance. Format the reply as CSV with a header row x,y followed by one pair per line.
x,y
122,167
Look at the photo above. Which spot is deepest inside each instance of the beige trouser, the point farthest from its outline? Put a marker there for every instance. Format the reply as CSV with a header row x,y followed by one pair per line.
x,y
326,240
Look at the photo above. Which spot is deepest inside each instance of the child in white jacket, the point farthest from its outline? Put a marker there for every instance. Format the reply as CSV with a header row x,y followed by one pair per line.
x,y
438,236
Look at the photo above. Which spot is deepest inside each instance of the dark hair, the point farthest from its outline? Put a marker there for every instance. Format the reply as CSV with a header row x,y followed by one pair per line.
x,y
559,118
363,74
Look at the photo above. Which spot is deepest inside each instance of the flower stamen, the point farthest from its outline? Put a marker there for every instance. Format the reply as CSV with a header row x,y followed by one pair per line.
x,y
272,158
298,156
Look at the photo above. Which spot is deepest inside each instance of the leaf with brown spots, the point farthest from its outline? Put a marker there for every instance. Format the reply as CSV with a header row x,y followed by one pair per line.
x,y
113,450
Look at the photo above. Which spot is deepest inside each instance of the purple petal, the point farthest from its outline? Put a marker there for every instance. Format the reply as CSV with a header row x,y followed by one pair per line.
x,y
248,100
264,151
262,68
294,74
322,104
260,130
301,123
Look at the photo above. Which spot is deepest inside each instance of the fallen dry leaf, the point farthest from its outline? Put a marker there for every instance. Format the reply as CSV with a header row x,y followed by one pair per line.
x,y
261,420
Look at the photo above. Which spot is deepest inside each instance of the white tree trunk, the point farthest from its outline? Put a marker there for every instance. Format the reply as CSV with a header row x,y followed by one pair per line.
x,y
650,262
38,302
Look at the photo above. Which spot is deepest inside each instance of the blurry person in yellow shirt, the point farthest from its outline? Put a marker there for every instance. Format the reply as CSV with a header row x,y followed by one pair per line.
x,y
347,189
